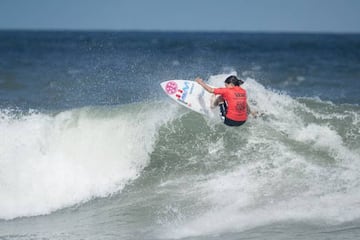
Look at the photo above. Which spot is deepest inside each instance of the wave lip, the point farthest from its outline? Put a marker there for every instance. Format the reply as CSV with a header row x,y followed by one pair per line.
x,y
51,162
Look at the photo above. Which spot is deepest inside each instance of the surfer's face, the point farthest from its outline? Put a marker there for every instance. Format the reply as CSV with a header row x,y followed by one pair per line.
x,y
228,85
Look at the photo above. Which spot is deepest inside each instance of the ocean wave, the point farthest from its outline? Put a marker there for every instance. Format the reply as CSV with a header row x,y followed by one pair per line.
x,y
190,175
295,163
52,161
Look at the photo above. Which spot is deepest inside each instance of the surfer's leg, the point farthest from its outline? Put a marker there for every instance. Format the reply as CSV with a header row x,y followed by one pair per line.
x,y
223,109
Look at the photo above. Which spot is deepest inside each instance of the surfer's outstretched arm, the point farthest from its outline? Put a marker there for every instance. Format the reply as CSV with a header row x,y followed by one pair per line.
x,y
254,114
204,85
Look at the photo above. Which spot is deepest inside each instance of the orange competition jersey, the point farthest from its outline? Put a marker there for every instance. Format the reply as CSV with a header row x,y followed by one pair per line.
x,y
236,101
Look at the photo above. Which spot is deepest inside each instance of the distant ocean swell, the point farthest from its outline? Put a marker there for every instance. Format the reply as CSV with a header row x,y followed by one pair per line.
x,y
295,163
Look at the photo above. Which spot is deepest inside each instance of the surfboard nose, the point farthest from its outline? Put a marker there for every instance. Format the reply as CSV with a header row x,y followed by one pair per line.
x,y
170,87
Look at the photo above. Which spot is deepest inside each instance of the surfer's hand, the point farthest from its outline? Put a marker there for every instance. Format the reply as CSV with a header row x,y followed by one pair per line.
x,y
199,80
204,85
254,114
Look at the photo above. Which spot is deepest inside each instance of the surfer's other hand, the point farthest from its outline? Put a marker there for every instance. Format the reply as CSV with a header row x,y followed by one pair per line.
x,y
199,80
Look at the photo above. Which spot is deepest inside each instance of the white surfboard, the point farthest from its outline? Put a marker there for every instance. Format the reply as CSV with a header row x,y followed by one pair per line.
x,y
190,95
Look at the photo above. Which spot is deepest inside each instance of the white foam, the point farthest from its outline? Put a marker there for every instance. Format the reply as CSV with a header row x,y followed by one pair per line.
x,y
279,177
51,162
285,187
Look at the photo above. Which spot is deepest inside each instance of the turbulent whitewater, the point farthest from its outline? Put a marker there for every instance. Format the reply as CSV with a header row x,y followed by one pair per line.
x,y
91,148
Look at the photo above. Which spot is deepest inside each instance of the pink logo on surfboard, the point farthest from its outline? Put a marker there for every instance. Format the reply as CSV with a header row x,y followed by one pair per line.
x,y
171,87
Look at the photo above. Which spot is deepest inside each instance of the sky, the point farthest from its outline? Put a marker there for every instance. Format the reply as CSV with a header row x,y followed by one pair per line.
x,y
334,16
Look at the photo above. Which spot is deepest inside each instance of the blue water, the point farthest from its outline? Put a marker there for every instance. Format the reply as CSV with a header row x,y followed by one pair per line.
x,y
91,148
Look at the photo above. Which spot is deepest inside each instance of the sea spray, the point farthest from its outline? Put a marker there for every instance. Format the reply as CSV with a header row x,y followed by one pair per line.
x,y
292,166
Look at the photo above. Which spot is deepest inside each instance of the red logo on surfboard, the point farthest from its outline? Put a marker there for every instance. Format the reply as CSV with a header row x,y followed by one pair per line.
x,y
171,87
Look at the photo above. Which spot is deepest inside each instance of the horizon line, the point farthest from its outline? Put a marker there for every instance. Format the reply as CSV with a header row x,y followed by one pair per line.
x,y
180,31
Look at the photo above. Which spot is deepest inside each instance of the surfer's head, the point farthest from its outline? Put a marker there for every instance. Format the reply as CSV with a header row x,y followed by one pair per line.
x,y
233,80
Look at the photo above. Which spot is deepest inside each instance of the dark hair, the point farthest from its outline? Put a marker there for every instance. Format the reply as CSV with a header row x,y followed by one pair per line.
x,y
234,80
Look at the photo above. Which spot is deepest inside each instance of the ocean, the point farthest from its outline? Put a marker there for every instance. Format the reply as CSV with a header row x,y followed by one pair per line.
x,y
92,148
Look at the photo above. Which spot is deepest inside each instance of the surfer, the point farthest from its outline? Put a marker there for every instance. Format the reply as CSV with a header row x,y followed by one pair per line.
x,y
232,100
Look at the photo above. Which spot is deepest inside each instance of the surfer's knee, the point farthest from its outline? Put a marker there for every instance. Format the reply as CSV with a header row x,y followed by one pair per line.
x,y
223,109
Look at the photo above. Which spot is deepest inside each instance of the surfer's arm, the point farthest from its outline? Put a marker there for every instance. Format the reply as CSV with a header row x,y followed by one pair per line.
x,y
204,85
253,114
248,108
